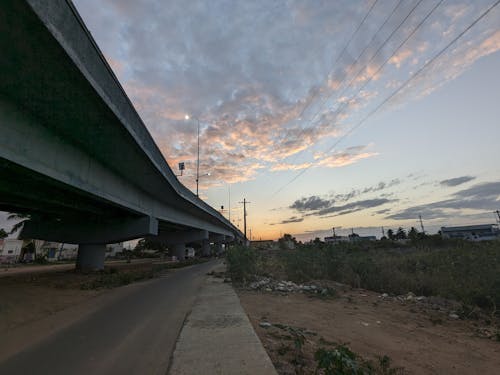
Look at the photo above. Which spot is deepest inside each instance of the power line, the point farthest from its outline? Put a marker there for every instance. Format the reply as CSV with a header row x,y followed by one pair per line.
x,y
369,80
367,64
353,64
395,92
340,55
345,104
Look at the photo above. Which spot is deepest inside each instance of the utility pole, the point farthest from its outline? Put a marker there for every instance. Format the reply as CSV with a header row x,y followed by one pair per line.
x,y
498,214
250,234
421,224
383,232
245,217
333,230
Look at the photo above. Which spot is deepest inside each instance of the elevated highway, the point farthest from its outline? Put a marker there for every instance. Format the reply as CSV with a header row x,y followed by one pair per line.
x,y
74,153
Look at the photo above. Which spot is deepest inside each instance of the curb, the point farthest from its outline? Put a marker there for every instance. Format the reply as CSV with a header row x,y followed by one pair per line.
x,y
217,337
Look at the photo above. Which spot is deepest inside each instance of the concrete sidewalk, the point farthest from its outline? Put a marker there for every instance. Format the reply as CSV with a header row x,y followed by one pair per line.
x,y
217,337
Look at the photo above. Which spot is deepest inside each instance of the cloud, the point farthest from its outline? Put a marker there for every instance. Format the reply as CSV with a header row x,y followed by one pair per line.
x,y
343,158
337,159
480,197
457,181
353,207
317,206
370,189
311,203
293,219
229,64
289,167
400,57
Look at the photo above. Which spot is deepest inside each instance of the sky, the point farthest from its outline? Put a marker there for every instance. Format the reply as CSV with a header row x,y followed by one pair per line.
x,y
322,114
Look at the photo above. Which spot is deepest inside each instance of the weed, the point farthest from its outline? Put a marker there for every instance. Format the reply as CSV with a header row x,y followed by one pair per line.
x,y
283,349
468,272
339,361
342,361
241,263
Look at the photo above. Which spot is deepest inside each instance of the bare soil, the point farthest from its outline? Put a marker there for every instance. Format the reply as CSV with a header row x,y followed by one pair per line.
x,y
415,336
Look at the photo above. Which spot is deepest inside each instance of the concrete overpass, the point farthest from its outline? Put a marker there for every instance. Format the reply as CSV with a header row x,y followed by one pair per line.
x,y
74,153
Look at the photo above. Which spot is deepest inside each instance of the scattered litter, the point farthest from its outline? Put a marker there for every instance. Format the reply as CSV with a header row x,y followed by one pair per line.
x,y
265,324
269,285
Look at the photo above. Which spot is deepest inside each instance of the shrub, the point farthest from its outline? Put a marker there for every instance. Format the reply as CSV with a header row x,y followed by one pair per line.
x,y
242,263
466,271
342,361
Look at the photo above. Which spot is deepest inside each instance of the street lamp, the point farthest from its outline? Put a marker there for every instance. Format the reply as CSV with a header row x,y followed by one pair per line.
x,y
198,159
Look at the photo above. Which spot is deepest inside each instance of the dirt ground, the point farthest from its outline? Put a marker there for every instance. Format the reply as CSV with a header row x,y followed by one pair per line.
x,y
413,336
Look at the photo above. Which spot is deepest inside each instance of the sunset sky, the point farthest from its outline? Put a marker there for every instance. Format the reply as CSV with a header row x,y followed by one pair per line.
x,y
346,114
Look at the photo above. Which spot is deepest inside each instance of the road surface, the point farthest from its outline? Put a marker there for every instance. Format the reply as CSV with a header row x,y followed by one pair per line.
x,y
135,334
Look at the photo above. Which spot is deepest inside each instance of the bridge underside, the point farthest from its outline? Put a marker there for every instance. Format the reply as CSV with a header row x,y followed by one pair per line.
x,y
74,153
64,214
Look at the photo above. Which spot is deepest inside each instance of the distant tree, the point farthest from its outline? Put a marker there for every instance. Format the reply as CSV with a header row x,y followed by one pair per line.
x,y
287,241
413,234
3,233
390,235
148,244
317,241
20,218
401,234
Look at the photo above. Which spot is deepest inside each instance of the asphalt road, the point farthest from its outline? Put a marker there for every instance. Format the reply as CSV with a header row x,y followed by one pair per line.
x,y
135,334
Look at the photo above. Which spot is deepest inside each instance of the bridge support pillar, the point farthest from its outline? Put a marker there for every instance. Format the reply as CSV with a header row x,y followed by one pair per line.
x,y
90,257
179,250
205,248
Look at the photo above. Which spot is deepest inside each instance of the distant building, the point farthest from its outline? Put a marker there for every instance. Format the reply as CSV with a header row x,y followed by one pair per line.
x,y
336,239
11,250
55,251
113,249
482,232
363,238
350,238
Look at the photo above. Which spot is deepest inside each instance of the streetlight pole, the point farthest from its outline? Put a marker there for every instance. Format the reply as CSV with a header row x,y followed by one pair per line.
x,y
198,153
198,161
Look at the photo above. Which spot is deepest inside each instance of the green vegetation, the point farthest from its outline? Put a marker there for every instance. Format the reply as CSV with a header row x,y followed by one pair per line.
x,y
242,263
468,272
112,277
342,361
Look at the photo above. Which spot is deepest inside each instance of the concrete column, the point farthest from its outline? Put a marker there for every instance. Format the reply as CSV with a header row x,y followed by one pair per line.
x,y
90,257
205,248
179,250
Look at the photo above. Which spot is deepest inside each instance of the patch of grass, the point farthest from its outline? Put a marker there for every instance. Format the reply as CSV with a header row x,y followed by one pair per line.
x,y
115,279
112,277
